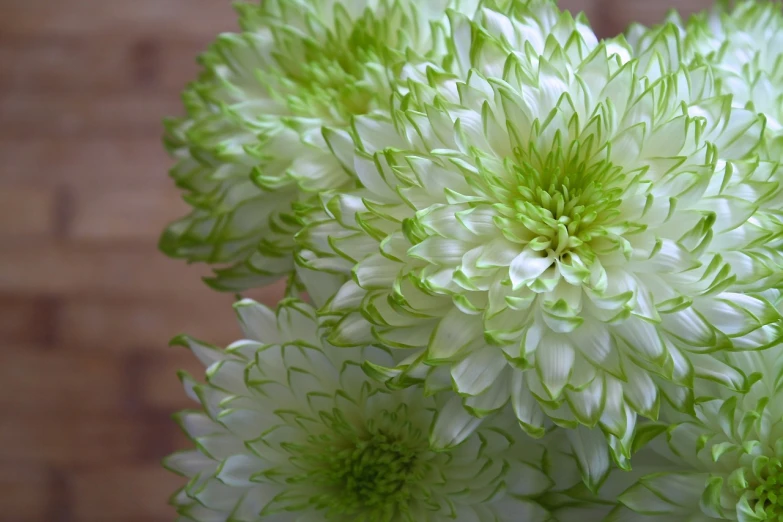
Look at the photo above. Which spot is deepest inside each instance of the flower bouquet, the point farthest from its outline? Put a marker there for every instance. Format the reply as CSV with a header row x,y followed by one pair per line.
x,y
532,275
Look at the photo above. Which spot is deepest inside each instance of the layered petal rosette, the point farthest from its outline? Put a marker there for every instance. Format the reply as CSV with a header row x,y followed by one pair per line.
x,y
293,430
744,45
723,463
561,227
252,144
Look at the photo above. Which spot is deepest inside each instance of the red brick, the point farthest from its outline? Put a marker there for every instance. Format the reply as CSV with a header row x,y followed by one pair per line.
x,y
143,325
85,115
138,324
26,492
27,212
137,492
123,214
125,63
61,381
73,440
105,20
27,320
124,270
139,162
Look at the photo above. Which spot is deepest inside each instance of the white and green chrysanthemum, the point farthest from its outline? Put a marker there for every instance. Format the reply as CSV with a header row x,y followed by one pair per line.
x,y
252,144
726,461
293,430
744,46
560,227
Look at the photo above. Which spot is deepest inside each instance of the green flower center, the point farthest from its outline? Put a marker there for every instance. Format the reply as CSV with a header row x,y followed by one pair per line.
x,y
368,474
767,495
374,473
326,83
562,200
328,78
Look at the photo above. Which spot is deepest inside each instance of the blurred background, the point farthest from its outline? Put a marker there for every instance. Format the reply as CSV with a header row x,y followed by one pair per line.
x,y
87,303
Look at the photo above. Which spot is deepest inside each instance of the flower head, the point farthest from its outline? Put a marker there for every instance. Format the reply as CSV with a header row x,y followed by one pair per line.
x,y
724,461
252,143
293,430
744,46
561,227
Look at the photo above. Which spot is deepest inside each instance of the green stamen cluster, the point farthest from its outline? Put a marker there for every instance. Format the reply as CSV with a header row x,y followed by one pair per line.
x,y
367,474
331,79
327,79
562,200
767,495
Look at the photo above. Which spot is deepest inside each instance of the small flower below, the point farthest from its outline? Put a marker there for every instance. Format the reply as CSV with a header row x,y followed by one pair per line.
x,y
293,430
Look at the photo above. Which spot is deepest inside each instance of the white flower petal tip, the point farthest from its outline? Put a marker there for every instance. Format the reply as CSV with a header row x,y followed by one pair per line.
x,y
452,426
292,427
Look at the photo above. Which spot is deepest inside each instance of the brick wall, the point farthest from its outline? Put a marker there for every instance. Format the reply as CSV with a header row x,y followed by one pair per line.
x,y
87,305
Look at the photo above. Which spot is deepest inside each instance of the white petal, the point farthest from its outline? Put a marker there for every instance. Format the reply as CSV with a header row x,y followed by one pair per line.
x,y
642,337
528,266
525,406
478,371
640,391
453,425
237,470
592,453
554,361
189,463
258,322
454,332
